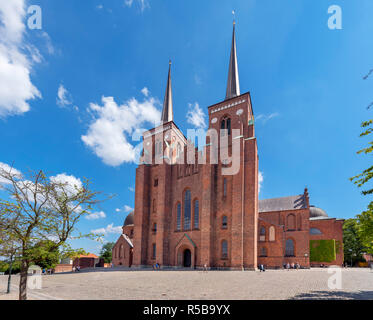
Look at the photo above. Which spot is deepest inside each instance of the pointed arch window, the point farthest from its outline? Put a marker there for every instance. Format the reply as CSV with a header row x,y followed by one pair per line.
x,y
224,249
225,125
272,233
178,217
289,248
187,210
120,251
196,214
225,222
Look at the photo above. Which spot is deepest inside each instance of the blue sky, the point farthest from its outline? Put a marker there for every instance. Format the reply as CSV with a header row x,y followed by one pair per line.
x,y
306,82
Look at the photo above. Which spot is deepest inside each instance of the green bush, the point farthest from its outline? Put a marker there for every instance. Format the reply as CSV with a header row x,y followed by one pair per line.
x,y
322,250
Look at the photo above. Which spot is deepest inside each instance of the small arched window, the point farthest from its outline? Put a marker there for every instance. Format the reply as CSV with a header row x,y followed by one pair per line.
x,y
225,222
155,228
120,251
315,231
289,248
272,233
154,205
187,209
262,234
178,217
224,249
196,214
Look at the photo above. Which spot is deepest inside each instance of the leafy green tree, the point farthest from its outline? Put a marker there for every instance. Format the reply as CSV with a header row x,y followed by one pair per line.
x,y
106,252
45,254
42,209
361,179
365,219
366,228
352,244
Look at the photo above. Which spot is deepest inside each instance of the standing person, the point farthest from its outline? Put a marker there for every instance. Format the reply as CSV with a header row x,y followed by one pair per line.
x,y
288,266
205,267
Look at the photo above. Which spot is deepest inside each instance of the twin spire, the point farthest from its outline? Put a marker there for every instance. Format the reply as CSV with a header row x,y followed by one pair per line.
x,y
233,85
168,113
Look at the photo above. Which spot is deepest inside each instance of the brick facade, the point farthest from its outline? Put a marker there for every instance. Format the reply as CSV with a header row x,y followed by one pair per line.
x,y
228,231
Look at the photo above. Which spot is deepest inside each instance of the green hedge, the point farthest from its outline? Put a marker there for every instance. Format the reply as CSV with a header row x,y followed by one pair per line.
x,y
322,250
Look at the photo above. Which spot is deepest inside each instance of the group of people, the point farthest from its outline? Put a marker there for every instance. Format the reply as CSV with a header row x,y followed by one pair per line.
x,y
76,269
156,266
47,271
293,265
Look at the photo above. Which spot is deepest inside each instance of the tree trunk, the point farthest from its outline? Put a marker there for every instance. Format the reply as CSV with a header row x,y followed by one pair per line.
x,y
10,274
23,281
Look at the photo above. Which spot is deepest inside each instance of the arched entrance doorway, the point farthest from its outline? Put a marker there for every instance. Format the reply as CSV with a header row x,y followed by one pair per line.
x,y
187,258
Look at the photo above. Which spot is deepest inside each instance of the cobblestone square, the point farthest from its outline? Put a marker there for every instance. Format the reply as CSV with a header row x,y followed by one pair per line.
x,y
191,285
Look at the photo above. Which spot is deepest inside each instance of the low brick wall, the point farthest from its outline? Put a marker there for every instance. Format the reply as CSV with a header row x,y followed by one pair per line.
x,y
60,268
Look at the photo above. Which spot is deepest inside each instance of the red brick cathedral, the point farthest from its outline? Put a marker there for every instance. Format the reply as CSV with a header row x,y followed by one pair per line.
x,y
191,212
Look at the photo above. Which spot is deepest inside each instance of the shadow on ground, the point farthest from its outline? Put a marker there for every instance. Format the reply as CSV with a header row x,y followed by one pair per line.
x,y
335,295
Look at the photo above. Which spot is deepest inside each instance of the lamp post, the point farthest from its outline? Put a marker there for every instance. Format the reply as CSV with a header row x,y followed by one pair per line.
x,y
305,258
350,256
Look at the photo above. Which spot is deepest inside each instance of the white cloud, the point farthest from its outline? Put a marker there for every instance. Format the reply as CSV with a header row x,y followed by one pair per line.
x,y
96,215
100,6
72,184
110,229
7,168
125,208
196,116
264,118
113,124
260,181
16,58
143,4
145,91
63,97
132,189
